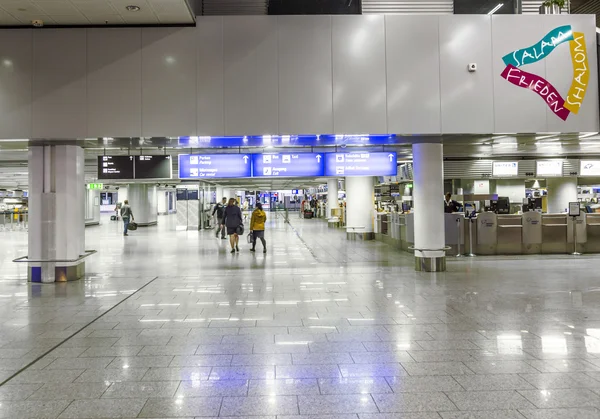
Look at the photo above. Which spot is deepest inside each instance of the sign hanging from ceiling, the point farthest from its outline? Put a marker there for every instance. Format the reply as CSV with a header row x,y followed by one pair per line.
x,y
153,167
135,167
201,166
115,167
549,168
589,168
288,165
505,168
361,164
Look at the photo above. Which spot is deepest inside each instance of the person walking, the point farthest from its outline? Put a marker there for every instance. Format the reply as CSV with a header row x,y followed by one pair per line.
x,y
220,210
126,215
257,227
234,223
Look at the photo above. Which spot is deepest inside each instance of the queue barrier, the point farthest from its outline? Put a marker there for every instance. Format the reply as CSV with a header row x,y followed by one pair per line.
x,y
14,221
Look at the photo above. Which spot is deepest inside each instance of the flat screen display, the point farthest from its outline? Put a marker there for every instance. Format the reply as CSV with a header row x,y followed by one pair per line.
x,y
115,167
153,167
505,168
361,164
549,168
288,165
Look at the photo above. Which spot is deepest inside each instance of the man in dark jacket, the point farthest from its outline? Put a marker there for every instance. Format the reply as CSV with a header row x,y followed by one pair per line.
x,y
450,205
220,211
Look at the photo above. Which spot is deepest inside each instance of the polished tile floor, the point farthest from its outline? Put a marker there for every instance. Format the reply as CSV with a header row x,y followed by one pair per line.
x,y
168,324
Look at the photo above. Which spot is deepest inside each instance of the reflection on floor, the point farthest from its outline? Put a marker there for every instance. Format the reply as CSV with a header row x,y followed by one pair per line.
x,y
170,324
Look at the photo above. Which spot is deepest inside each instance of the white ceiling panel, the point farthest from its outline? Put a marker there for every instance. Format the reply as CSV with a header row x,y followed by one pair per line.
x,y
94,12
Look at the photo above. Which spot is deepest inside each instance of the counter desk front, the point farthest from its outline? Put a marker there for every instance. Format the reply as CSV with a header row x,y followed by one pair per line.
x,y
492,234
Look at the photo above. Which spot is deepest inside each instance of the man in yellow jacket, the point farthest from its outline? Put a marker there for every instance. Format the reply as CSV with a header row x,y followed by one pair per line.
x,y
257,227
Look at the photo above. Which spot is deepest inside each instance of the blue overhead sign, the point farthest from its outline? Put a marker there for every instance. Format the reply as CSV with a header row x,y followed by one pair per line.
x,y
288,165
361,164
201,166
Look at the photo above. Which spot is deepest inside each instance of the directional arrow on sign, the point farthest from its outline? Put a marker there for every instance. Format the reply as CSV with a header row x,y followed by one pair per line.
x,y
246,159
319,158
391,156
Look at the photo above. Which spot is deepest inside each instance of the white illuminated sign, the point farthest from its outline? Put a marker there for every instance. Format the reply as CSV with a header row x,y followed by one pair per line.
x,y
549,168
589,168
505,168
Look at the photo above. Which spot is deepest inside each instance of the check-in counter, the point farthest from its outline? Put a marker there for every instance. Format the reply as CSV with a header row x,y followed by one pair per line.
x,y
532,233
455,233
492,234
593,233
554,233
487,233
509,234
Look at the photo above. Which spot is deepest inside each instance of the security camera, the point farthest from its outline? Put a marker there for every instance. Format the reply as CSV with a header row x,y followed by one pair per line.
x,y
472,67
117,188
38,23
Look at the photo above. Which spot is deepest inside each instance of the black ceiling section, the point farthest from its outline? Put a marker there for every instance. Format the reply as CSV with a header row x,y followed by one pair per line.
x,y
314,7
482,7
276,7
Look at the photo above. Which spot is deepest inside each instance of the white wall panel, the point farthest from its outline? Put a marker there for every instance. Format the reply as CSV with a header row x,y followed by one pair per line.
x,y
251,84
413,73
59,83
168,82
114,85
559,72
305,75
16,68
210,79
359,85
466,98
511,33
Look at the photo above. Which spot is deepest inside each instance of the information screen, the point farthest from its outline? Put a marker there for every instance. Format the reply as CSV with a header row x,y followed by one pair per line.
x,y
115,167
288,165
153,167
198,166
361,164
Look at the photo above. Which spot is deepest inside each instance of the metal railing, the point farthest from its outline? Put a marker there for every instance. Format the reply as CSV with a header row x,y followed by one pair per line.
x,y
25,259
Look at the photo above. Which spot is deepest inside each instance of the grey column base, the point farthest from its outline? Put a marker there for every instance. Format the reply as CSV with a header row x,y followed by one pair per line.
x,y
360,236
58,273
433,264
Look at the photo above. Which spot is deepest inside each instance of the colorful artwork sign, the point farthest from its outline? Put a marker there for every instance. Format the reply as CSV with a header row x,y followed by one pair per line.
x,y
560,106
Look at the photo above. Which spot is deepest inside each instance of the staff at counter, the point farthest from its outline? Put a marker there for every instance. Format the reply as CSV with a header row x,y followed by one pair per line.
x,y
450,205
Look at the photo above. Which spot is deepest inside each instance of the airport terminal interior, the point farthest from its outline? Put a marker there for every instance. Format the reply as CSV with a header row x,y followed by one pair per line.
x,y
425,176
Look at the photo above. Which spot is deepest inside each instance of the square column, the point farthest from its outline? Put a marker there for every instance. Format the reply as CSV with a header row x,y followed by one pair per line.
x,y
56,213
428,196
360,198
332,196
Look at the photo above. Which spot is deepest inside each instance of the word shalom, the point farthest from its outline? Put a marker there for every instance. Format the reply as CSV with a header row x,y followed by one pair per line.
x,y
538,85
581,73
540,50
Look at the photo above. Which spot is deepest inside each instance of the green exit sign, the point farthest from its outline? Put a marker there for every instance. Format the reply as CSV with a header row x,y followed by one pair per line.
x,y
95,185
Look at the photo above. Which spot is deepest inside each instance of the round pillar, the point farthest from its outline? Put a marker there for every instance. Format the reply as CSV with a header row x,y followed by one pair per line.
x,y
332,196
360,195
428,195
561,191
144,203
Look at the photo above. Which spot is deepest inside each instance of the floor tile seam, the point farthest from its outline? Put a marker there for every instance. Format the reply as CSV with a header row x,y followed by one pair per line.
x,y
75,333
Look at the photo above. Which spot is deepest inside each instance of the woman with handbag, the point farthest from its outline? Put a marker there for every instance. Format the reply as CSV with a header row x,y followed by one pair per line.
x,y
234,223
257,227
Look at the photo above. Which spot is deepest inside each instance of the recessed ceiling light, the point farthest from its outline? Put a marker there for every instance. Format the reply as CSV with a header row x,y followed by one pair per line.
x,y
133,8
